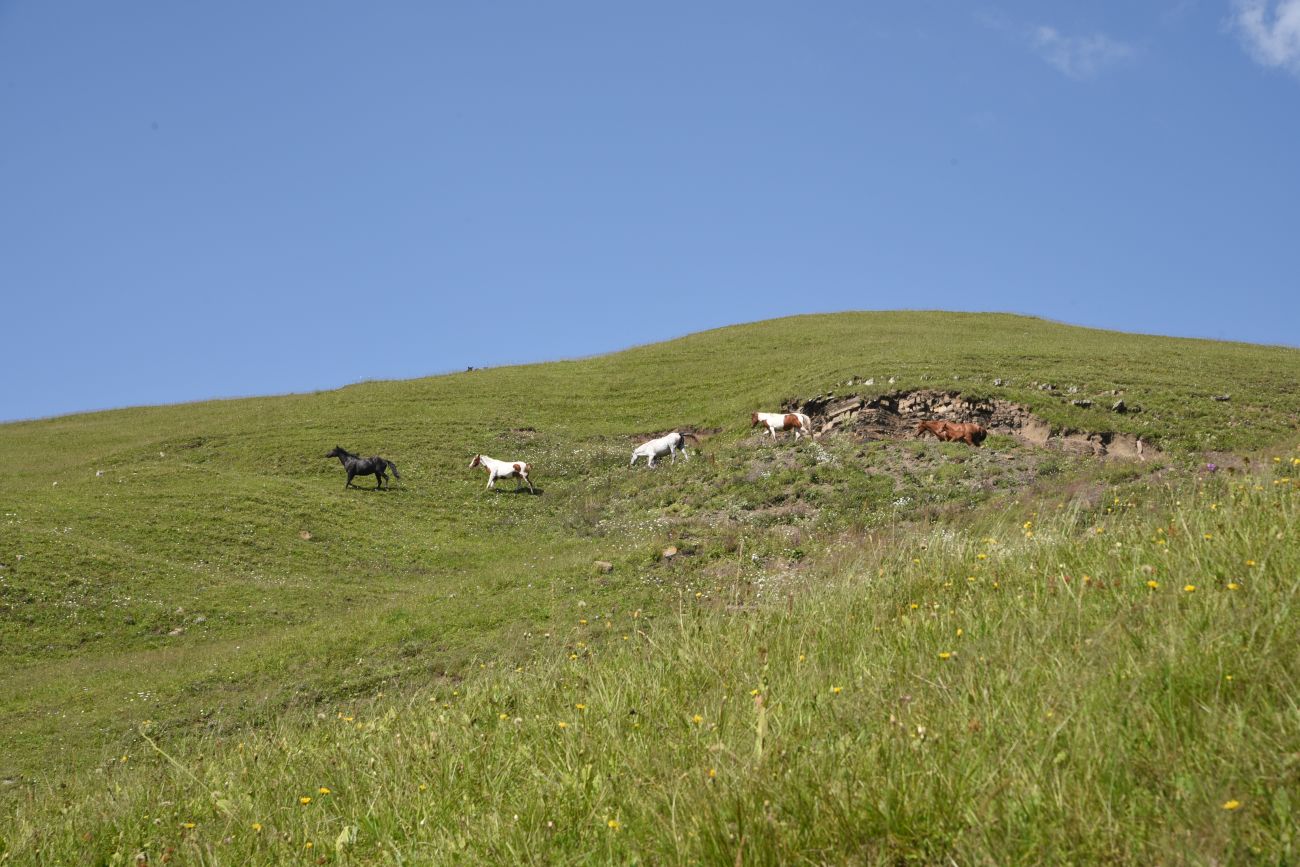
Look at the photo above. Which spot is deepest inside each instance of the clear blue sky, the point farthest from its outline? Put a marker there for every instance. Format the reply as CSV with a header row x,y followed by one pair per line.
x,y
220,199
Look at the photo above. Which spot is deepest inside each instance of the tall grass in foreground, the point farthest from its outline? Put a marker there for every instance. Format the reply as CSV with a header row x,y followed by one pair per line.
x,y
1115,685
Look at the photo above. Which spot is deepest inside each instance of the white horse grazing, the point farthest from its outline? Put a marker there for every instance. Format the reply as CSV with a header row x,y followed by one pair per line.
x,y
517,470
668,444
776,421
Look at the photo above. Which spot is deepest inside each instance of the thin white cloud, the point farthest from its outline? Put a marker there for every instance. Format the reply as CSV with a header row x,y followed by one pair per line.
x,y
1270,30
1080,57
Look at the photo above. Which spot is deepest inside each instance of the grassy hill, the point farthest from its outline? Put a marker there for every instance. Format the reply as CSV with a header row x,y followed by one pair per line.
x,y
199,572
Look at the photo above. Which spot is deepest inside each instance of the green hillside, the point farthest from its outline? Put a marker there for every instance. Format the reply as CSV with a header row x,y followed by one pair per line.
x,y
199,571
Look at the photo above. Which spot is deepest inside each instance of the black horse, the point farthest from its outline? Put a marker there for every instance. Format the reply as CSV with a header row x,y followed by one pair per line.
x,y
359,466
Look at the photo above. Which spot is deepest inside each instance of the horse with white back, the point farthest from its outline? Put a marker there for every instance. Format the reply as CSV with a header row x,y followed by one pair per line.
x,y
779,421
668,444
517,470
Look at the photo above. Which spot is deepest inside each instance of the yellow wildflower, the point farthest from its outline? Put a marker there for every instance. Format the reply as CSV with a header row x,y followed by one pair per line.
x,y
324,790
945,654
257,826
187,824
1231,805
305,800
1233,585
562,724
613,824
836,690
713,773
1153,584
697,719
1189,588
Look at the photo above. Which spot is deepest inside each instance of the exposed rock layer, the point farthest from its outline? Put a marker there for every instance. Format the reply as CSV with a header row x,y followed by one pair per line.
x,y
894,416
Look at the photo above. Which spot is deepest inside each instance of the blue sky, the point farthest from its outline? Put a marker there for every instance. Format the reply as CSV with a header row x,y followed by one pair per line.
x,y
205,200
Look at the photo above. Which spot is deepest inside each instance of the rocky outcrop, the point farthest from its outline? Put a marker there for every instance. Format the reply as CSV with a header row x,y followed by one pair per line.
x,y
894,416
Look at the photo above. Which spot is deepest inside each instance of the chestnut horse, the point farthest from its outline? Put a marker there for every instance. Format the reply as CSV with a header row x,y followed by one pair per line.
x,y
952,431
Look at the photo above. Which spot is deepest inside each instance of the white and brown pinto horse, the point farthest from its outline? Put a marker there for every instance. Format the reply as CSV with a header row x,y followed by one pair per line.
x,y
668,444
517,470
779,421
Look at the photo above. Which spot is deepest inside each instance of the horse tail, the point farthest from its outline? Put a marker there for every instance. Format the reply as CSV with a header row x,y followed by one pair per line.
x,y
392,466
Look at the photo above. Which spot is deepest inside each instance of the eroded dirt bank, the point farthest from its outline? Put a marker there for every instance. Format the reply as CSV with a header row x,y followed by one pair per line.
x,y
894,416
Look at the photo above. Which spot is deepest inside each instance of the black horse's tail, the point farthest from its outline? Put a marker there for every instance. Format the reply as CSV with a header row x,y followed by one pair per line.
x,y
392,466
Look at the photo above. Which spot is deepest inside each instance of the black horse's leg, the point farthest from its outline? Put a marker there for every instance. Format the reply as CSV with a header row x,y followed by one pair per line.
x,y
348,483
380,478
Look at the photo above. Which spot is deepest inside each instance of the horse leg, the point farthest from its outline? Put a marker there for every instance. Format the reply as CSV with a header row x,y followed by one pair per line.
x,y
530,485
492,481
348,483
380,478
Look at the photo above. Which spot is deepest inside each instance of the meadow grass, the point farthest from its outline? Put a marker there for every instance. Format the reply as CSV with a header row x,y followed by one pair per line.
x,y
1104,684
200,570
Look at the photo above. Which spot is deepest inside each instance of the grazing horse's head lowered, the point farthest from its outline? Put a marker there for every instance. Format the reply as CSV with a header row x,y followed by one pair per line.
x,y
951,431
797,422
938,428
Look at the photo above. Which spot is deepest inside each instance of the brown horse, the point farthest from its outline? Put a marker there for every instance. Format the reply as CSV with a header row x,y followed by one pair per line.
x,y
938,428
952,431
968,432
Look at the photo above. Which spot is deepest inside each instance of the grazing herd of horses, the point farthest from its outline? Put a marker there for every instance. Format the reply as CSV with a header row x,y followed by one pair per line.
x,y
668,444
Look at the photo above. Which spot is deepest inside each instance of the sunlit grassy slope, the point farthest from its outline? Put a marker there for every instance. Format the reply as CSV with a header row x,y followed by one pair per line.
x,y
166,578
